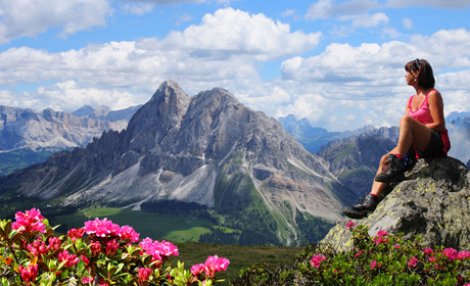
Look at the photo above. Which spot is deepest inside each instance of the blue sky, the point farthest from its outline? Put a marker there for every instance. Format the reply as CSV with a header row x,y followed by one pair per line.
x,y
337,63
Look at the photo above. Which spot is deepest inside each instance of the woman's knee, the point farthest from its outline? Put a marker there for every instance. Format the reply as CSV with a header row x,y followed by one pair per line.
x,y
405,120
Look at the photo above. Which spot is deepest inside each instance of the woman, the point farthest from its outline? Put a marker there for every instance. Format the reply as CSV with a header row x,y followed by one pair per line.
x,y
422,135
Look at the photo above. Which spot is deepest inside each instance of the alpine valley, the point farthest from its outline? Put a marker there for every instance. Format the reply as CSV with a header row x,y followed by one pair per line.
x,y
205,155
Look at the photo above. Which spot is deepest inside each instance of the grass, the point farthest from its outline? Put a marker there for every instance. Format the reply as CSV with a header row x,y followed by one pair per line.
x,y
240,256
175,228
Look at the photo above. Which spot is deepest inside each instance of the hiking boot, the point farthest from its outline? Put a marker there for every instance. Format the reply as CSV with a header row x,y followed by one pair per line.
x,y
360,210
392,168
368,203
356,214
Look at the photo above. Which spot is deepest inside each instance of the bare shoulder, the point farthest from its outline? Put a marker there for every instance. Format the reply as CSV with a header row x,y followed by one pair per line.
x,y
435,95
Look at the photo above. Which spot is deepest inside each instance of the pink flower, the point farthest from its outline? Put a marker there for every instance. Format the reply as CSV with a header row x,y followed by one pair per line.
x,y
359,253
159,250
28,273
87,280
197,269
128,233
212,265
463,255
317,260
373,264
70,259
215,264
350,224
428,251
85,259
382,233
396,246
54,243
144,273
379,239
37,248
95,248
102,228
450,253
29,221
432,259
413,262
76,233
111,247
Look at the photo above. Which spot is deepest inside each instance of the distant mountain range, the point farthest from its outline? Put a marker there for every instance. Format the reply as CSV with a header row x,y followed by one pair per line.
x,y
28,137
206,149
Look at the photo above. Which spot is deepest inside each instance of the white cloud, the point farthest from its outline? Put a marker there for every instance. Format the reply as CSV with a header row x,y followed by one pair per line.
x,y
431,3
325,9
28,18
368,21
230,32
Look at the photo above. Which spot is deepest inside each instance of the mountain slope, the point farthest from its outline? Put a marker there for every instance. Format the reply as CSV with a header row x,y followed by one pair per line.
x,y
207,149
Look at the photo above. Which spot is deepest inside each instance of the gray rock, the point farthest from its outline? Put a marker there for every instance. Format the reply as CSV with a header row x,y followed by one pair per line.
x,y
433,201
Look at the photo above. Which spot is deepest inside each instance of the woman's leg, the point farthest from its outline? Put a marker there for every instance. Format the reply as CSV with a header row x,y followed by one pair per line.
x,y
413,133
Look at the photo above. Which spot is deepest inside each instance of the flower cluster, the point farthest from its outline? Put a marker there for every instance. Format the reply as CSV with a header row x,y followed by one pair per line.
x,y
29,221
388,259
99,253
212,265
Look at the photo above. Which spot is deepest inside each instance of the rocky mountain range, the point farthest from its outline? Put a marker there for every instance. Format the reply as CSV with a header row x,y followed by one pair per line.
x,y
26,129
207,149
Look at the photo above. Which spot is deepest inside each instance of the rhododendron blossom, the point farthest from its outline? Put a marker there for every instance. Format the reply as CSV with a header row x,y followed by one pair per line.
x,y
450,253
428,251
159,250
463,255
144,273
128,233
69,259
212,265
54,243
317,260
373,264
102,227
28,273
111,247
95,248
37,248
29,221
350,224
75,233
413,262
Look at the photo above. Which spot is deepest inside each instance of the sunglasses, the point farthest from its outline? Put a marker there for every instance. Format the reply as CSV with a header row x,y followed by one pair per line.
x,y
416,63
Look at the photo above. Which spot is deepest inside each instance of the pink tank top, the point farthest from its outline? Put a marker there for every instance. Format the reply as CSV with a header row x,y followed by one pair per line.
x,y
422,114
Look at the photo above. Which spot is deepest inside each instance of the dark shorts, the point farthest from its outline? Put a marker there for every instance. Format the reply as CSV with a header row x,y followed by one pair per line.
x,y
434,148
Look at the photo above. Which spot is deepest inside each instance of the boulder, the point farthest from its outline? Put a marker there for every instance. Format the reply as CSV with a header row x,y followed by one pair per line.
x,y
433,201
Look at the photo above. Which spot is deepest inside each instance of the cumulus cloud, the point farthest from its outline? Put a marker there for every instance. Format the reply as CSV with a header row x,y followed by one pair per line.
x,y
229,32
28,18
200,57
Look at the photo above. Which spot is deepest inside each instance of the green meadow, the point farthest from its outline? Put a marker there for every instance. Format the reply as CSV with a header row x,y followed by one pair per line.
x,y
184,230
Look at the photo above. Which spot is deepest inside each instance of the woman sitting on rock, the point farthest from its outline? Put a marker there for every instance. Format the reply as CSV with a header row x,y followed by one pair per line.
x,y
422,135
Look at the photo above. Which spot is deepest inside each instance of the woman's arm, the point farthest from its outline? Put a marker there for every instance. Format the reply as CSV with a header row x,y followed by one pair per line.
x,y
436,106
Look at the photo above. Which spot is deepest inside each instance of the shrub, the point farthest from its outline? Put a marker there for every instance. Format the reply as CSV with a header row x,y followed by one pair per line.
x,y
99,253
383,259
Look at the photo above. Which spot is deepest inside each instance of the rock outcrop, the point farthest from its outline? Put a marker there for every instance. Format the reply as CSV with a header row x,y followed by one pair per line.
x,y
433,201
